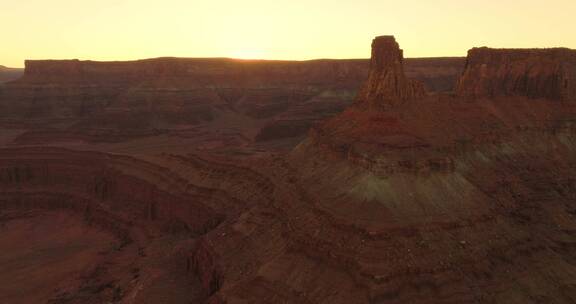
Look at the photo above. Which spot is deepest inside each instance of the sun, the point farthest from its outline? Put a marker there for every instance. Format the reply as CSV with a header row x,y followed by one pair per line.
x,y
248,54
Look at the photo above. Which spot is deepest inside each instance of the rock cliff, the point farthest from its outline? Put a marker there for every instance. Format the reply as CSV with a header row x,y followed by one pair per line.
x,y
533,73
430,184
253,101
404,197
387,84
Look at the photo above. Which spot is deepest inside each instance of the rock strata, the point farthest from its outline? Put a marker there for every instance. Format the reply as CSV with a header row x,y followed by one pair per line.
x,y
404,197
387,84
449,197
533,73
251,101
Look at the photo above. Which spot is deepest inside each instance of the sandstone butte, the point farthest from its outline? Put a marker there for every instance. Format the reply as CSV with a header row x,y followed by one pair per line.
x,y
404,193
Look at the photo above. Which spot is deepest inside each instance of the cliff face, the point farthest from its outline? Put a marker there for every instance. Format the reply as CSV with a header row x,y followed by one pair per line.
x,y
437,73
249,100
446,191
533,73
194,73
387,84
404,197
156,212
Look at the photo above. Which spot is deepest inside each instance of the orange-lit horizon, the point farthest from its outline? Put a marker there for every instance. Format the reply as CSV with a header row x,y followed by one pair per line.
x,y
257,29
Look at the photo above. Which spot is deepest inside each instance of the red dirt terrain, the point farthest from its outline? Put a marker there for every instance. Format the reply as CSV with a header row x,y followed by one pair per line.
x,y
184,180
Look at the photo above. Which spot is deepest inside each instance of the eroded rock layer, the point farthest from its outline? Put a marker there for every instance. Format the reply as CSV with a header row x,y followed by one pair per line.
x,y
156,216
387,84
248,101
452,199
404,197
534,73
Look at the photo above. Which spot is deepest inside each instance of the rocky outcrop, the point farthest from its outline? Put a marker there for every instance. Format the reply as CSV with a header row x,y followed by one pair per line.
x,y
157,209
533,73
407,198
415,198
387,84
199,99
95,183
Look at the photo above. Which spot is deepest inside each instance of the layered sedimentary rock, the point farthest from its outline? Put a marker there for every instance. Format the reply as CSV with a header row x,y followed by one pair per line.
x,y
221,72
155,212
447,199
404,197
71,100
534,73
387,84
192,72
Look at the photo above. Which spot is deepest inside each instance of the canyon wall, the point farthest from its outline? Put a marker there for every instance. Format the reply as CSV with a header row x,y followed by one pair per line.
x,y
222,72
449,198
534,73
252,101
194,73
406,196
158,211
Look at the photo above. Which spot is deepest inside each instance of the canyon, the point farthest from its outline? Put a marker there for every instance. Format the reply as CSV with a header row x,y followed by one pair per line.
x,y
213,103
389,180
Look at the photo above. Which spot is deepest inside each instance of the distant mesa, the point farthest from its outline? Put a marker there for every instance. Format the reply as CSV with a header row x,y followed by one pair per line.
x,y
284,98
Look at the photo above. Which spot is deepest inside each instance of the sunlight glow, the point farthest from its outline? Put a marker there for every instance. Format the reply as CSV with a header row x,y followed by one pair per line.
x,y
293,30
248,54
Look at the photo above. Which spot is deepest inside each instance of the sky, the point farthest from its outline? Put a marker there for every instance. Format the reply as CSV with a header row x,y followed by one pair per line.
x,y
268,29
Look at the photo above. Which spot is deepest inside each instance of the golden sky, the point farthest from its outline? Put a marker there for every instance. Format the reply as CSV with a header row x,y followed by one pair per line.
x,y
268,29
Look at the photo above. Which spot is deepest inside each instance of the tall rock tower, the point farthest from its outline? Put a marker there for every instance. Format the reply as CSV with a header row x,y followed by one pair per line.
x,y
387,84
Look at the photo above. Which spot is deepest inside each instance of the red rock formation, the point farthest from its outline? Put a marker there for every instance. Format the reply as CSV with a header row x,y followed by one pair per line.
x,y
72,100
194,72
220,72
534,73
156,212
396,187
438,198
387,85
